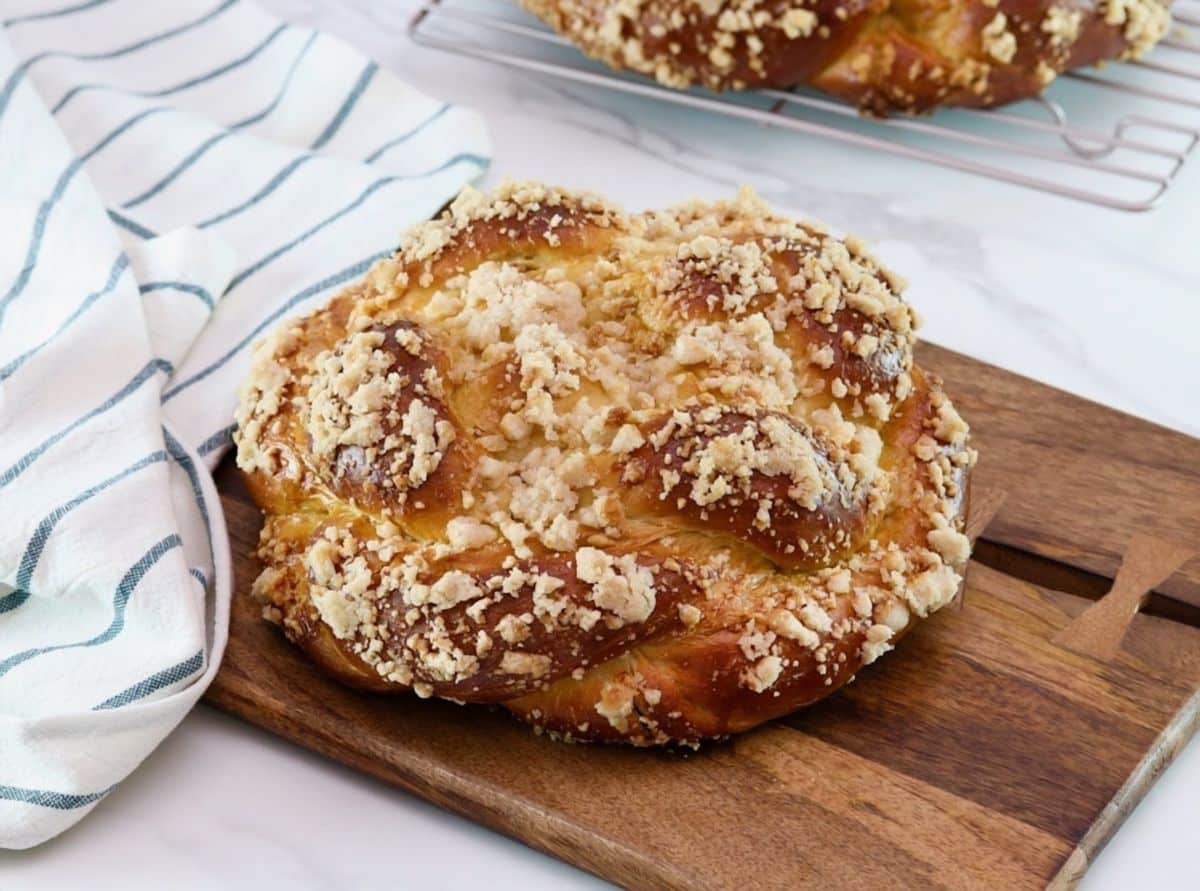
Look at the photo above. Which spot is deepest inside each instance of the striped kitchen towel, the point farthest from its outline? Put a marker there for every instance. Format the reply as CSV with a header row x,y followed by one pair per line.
x,y
175,178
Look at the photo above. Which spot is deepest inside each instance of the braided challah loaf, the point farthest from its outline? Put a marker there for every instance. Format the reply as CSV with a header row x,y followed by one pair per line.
x,y
649,477
882,55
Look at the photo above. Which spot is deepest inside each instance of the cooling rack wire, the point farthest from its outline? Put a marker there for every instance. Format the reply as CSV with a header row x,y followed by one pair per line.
x,y
1116,136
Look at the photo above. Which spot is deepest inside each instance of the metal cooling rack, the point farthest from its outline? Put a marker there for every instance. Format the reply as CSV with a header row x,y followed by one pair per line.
x,y
1131,127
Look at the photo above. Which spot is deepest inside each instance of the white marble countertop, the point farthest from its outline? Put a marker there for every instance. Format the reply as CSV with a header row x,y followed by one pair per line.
x,y
1101,303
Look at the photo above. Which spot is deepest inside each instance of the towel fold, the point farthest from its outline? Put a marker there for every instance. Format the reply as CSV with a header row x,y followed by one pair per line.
x,y
175,179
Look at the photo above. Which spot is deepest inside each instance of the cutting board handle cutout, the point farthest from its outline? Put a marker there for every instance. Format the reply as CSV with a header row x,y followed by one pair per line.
x,y
1098,630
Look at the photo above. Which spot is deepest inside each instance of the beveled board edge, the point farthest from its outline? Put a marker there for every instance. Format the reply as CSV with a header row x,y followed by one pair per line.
x,y
1158,758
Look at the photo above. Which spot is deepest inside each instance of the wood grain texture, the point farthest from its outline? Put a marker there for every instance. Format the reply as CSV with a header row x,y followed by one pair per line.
x,y
1080,478
979,754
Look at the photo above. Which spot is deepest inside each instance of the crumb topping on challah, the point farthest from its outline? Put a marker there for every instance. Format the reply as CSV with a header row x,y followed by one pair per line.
x,y
652,477
880,54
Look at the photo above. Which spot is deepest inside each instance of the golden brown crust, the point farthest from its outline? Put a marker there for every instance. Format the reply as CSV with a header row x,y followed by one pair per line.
x,y
882,55
652,477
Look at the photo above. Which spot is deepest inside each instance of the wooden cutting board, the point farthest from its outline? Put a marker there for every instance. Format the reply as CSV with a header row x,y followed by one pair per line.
x,y
1000,746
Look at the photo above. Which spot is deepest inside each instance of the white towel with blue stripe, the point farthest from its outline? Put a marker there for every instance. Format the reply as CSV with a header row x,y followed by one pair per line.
x,y
175,178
